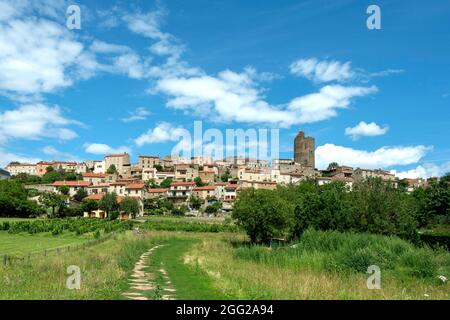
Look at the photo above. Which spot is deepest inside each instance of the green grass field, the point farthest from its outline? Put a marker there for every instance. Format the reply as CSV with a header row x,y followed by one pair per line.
x,y
24,243
221,265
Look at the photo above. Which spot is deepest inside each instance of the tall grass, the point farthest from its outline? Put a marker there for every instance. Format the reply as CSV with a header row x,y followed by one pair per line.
x,y
353,252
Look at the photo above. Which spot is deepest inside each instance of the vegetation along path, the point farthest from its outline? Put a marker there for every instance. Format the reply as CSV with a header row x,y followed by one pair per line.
x,y
162,274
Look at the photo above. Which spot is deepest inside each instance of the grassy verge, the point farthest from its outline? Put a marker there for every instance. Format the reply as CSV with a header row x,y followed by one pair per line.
x,y
324,266
104,271
189,281
24,243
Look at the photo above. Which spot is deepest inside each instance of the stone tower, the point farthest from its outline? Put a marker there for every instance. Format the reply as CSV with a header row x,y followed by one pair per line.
x,y
304,148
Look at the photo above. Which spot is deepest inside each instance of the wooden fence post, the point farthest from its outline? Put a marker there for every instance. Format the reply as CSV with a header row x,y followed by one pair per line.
x,y
45,252
5,259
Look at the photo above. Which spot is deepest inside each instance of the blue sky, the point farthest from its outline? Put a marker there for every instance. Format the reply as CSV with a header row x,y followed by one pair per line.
x,y
137,75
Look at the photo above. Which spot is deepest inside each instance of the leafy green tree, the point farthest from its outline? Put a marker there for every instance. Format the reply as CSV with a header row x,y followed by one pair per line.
x,y
198,182
195,202
112,169
158,167
108,203
213,208
226,176
181,211
166,183
263,214
151,184
14,200
64,190
130,205
54,201
88,205
80,195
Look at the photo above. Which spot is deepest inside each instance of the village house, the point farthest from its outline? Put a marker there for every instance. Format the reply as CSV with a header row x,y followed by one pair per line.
x,y
207,176
98,178
184,172
157,193
17,168
205,193
148,162
72,185
180,192
280,178
121,162
270,185
98,188
246,174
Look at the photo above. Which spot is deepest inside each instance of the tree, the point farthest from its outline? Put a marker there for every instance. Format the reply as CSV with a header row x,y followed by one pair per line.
x,y
89,205
151,184
54,201
226,176
14,200
108,203
213,208
112,169
332,165
49,169
166,183
263,214
64,190
198,182
80,195
158,167
195,202
181,211
130,205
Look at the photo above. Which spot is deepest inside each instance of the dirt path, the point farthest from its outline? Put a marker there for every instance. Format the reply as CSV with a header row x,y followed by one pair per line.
x,y
143,284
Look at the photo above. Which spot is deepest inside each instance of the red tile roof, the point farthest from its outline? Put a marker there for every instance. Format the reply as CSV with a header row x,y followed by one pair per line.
x,y
99,196
78,183
158,190
136,186
205,188
94,175
182,184
117,155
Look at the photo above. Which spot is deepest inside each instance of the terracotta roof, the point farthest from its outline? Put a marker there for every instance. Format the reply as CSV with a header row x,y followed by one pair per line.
x,y
221,184
152,157
205,188
116,155
78,183
231,186
158,190
99,196
119,183
180,183
206,171
94,175
136,186
100,185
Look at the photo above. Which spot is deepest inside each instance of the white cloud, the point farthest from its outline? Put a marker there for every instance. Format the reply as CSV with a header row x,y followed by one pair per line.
x,y
105,47
147,24
365,129
424,171
386,72
35,121
59,155
101,148
136,115
322,71
323,104
235,96
7,157
380,158
163,132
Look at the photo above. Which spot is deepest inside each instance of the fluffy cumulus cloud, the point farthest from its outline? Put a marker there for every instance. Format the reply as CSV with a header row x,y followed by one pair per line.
x,y
322,71
102,149
34,122
232,96
54,153
163,132
425,170
364,129
380,158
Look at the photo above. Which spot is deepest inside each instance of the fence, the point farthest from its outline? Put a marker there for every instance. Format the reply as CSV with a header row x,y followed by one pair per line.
x,y
9,260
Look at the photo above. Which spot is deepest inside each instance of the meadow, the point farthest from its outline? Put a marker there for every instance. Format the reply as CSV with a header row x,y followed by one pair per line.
x,y
200,264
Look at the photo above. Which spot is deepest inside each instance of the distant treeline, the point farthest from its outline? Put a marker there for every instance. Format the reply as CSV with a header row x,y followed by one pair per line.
x,y
372,206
